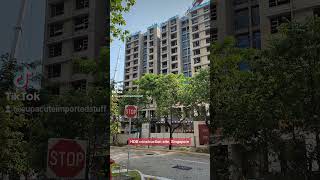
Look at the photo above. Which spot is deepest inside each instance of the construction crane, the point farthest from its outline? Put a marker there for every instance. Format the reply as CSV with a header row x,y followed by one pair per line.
x,y
116,67
18,30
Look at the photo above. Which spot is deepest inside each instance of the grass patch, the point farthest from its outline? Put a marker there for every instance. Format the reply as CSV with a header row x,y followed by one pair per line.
x,y
134,174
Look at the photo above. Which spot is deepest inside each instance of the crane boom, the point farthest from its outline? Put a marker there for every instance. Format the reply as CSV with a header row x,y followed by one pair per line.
x,y
18,29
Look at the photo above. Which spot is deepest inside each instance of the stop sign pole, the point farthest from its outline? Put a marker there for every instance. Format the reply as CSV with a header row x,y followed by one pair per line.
x,y
130,112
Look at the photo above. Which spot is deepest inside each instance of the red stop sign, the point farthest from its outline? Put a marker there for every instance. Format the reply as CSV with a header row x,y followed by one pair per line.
x,y
130,111
66,158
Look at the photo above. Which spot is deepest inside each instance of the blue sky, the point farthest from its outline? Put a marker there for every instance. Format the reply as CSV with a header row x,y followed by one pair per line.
x,y
30,45
142,15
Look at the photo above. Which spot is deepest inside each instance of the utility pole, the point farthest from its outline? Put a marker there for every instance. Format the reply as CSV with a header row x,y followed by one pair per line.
x,y
18,30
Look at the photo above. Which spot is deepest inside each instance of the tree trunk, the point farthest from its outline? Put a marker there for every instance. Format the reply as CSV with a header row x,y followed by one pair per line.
x,y
170,146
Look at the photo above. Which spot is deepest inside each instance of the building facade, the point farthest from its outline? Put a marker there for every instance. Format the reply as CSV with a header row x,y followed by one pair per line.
x,y
74,29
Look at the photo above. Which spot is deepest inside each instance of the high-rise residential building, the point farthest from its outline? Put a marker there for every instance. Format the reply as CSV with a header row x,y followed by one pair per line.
x,y
74,29
185,41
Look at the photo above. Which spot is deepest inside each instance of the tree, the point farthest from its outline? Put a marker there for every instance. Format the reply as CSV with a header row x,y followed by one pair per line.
x,y
118,8
168,93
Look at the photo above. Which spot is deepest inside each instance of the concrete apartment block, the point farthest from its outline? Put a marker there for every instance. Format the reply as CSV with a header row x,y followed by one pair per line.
x,y
200,26
133,59
73,29
170,46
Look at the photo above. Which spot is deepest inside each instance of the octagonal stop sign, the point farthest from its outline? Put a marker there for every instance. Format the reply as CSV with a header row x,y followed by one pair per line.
x,y
66,158
130,111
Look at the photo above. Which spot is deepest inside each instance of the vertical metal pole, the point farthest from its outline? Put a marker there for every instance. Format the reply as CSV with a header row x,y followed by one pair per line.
x,y
129,146
18,29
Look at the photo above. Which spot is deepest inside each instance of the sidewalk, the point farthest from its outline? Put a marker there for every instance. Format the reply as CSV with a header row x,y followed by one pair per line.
x,y
161,149
143,176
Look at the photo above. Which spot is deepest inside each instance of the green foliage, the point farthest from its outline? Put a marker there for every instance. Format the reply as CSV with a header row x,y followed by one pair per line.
x,y
118,8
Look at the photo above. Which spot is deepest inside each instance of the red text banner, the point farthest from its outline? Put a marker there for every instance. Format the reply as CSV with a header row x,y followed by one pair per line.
x,y
159,141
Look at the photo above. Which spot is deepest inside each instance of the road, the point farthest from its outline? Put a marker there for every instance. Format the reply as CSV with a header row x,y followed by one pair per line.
x,y
160,163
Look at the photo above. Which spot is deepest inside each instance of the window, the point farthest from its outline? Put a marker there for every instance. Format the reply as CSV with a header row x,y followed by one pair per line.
x,y
128,58
151,64
173,36
165,71
208,49
174,58
135,49
173,21
151,43
164,28
164,56
135,75
81,23
273,3
151,37
214,12
135,62
255,16
243,41
145,38
197,68
151,50
241,19
128,70
173,29
164,64
128,64
57,9
80,4
195,21
275,22
151,30
164,42
195,28
151,57
196,60
151,71
54,70
164,49
127,77
256,42
195,36
174,66
174,43
81,44
196,44
55,50
56,29
128,51
135,68
194,13
135,55
208,40
128,45
174,50
164,35
126,83
214,34
196,52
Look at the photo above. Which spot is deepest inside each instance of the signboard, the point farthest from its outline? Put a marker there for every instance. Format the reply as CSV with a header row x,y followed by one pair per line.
x,y
159,141
203,134
130,111
66,158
